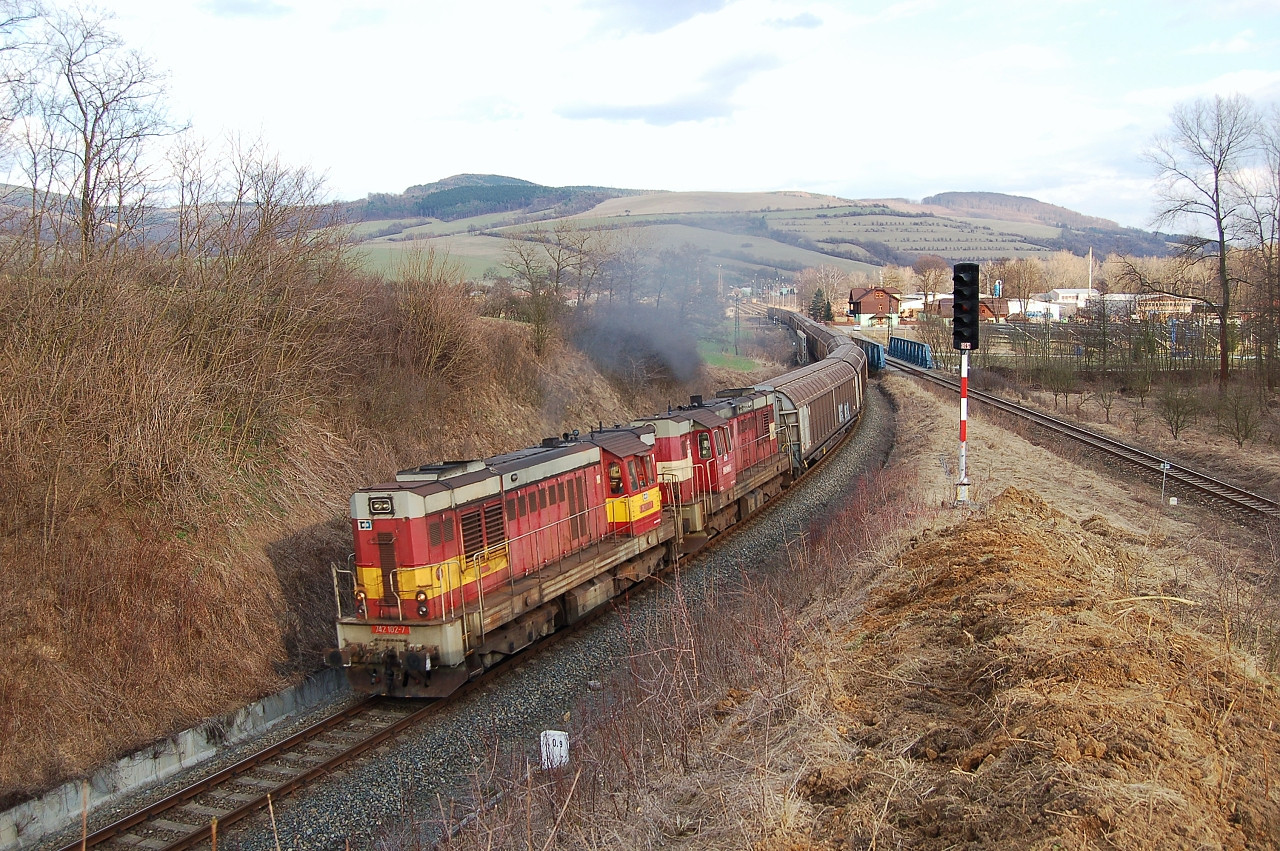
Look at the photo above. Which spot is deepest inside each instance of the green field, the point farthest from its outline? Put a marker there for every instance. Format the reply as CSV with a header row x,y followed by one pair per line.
x,y
719,354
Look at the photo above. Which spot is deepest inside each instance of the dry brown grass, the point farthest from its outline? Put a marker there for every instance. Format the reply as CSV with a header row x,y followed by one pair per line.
x,y
1062,664
177,450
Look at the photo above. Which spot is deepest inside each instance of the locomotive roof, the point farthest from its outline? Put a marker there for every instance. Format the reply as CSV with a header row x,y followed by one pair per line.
x,y
424,482
436,487
701,416
623,442
522,458
706,417
541,462
742,400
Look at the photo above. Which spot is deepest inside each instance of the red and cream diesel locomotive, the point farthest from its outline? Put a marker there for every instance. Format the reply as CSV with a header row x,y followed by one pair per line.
x,y
459,564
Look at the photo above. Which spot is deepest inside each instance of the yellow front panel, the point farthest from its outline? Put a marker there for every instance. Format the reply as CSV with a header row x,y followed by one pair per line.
x,y
434,578
625,509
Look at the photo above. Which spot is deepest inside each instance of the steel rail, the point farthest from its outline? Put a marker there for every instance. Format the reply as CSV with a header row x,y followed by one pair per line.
x,y
1194,480
260,760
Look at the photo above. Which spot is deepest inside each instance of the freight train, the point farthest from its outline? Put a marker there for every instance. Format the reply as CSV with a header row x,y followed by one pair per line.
x,y
461,564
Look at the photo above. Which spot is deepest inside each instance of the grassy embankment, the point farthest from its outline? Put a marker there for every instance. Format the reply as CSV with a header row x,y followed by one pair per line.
x,y
178,445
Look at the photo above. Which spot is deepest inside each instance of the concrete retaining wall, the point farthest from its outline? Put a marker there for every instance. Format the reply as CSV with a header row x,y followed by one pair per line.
x,y
26,824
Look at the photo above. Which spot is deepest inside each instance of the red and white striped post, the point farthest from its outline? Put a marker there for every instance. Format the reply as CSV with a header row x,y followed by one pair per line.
x,y
966,303
962,486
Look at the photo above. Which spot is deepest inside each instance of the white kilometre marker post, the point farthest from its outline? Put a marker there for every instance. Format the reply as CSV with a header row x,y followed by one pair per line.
x,y
965,313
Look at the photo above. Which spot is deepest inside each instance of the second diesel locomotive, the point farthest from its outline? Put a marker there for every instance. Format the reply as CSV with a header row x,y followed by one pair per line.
x,y
460,564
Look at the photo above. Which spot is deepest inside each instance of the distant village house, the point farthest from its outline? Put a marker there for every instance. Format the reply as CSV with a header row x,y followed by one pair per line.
x,y
874,307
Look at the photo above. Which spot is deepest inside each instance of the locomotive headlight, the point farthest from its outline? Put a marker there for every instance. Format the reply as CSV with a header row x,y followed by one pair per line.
x,y
422,603
421,596
361,608
381,505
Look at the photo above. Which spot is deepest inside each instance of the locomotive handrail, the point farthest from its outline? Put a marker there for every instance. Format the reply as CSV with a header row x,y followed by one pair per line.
x,y
476,559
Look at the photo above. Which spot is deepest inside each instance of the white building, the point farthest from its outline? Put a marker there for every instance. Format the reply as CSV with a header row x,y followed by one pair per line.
x,y
1076,297
1037,308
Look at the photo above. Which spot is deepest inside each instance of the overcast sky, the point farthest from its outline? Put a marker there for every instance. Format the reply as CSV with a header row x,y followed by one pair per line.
x,y
1053,99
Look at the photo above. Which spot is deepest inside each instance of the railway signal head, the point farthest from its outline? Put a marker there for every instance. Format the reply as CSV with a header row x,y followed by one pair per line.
x,y
965,306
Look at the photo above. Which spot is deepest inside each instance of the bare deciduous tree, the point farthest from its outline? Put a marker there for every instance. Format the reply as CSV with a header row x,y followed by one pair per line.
x,y
1238,414
1199,164
934,273
1261,212
103,106
1105,393
830,279
1177,406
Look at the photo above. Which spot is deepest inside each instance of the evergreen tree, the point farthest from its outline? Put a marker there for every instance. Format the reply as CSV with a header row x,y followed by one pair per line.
x,y
818,305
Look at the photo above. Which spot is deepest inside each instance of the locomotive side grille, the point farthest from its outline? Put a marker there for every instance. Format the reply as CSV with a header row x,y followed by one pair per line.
x,y
436,535
574,520
387,562
494,531
472,532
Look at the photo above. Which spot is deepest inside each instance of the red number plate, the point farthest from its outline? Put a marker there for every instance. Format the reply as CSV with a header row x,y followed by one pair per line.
x,y
384,629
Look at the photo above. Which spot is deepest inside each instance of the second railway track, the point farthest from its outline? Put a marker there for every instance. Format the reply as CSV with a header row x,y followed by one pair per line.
x,y
1218,492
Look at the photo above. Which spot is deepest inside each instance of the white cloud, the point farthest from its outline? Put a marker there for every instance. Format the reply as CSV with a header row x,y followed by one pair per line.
x,y
1243,42
904,98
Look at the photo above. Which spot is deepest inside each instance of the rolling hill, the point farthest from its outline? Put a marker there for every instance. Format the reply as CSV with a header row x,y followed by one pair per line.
x,y
749,236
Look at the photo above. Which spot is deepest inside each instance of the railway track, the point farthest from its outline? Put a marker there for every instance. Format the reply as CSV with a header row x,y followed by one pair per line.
x,y
1174,475
186,818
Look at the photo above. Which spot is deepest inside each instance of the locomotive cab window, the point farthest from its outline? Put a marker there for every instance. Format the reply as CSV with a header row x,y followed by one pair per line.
x,y
704,444
615,478
720,442
631,476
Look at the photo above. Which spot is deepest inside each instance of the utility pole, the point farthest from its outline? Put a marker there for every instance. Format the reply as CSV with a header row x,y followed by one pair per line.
x,y
737,308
